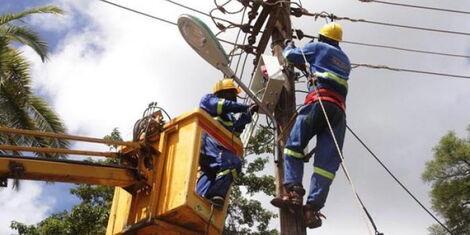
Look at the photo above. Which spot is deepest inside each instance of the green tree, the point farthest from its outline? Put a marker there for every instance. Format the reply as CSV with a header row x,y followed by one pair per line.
x,y
449,174
89,217
21,108
247,216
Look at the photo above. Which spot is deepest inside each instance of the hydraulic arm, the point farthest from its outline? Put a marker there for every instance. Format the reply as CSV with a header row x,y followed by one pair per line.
x,y
155,176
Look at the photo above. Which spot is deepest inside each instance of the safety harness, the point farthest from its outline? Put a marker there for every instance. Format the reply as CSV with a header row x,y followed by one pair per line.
x,y
326,95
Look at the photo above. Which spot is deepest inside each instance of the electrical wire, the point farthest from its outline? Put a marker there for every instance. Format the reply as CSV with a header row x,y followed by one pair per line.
x,y
198,11
396,179
408,70
138,12
397,48
407,49
225,11
157,18
238,35
334,17
416,6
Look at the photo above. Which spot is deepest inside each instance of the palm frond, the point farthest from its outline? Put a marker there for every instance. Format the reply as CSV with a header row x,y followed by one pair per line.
x,y
47,120
6,18
16,77
25,36
13,110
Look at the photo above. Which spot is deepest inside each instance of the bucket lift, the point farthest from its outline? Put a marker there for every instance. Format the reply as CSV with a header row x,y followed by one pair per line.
x,y
171,205
155,183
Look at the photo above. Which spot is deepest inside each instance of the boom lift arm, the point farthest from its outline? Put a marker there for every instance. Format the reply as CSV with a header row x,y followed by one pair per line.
x,y
155,179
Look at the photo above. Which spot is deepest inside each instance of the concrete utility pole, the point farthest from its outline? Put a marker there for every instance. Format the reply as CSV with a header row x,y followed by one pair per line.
x,y
290,223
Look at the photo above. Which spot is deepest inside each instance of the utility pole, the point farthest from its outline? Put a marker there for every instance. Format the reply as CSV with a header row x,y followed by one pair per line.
x,y
276,16
290,223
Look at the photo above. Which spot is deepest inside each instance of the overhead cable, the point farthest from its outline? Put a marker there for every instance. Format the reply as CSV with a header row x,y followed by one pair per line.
x,y
238,36
157,18
408,70
138,12
333,17
407,49
416,6
396,179
221,7
203,13
396,48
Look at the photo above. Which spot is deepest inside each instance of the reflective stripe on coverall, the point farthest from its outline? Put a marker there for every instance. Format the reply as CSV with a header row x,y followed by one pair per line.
x,y
331,66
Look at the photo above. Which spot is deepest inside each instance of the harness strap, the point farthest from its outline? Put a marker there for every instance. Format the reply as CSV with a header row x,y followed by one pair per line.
x,y
326,95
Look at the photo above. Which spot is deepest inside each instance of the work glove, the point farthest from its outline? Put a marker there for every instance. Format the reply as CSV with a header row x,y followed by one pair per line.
x,y
311,82
289,43
253,108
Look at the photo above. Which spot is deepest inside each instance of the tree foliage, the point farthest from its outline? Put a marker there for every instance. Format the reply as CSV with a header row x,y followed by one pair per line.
x,y
245,215
21,108
90,217
449,174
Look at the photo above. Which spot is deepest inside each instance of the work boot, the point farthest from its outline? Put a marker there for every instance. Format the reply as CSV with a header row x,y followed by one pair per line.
x,y
217,202
312,218
291,199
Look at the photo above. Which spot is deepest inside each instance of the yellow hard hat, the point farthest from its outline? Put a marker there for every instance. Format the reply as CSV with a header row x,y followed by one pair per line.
x,y
225,84
332,31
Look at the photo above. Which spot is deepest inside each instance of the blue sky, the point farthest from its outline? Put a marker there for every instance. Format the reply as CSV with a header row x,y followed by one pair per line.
x,y
107,64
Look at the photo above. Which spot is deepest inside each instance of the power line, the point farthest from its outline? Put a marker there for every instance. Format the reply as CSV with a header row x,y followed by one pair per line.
x,y
138,12
396,179
157,18
408,70
407,49
416,6
397,48
202,13
332,17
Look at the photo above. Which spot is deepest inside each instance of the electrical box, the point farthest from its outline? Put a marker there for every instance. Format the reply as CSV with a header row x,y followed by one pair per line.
x,y
171,205
268,81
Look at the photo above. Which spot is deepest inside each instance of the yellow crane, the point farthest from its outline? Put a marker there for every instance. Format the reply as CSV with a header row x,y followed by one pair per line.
x,y
155,179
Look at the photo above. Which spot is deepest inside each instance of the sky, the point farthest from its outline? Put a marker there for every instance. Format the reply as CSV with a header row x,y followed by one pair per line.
x,y
107,64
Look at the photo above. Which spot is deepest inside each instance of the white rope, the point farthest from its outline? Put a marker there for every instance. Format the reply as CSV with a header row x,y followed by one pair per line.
x,y
343,163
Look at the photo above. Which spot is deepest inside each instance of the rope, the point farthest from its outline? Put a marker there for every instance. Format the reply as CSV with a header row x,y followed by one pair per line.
x,y
210,220
396,179
343,163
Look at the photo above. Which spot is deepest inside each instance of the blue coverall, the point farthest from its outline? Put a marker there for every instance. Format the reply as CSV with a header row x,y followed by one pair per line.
x,y
331,66
219,166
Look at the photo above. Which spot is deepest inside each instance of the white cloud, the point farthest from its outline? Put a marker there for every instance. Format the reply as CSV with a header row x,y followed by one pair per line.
x,y
104,75
27,205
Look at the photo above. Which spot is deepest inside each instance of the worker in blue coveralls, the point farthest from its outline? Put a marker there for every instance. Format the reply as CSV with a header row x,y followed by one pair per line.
x,y
220,166
330,68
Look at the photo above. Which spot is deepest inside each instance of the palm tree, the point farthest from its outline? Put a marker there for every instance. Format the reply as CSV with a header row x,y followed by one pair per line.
x,y
19,107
